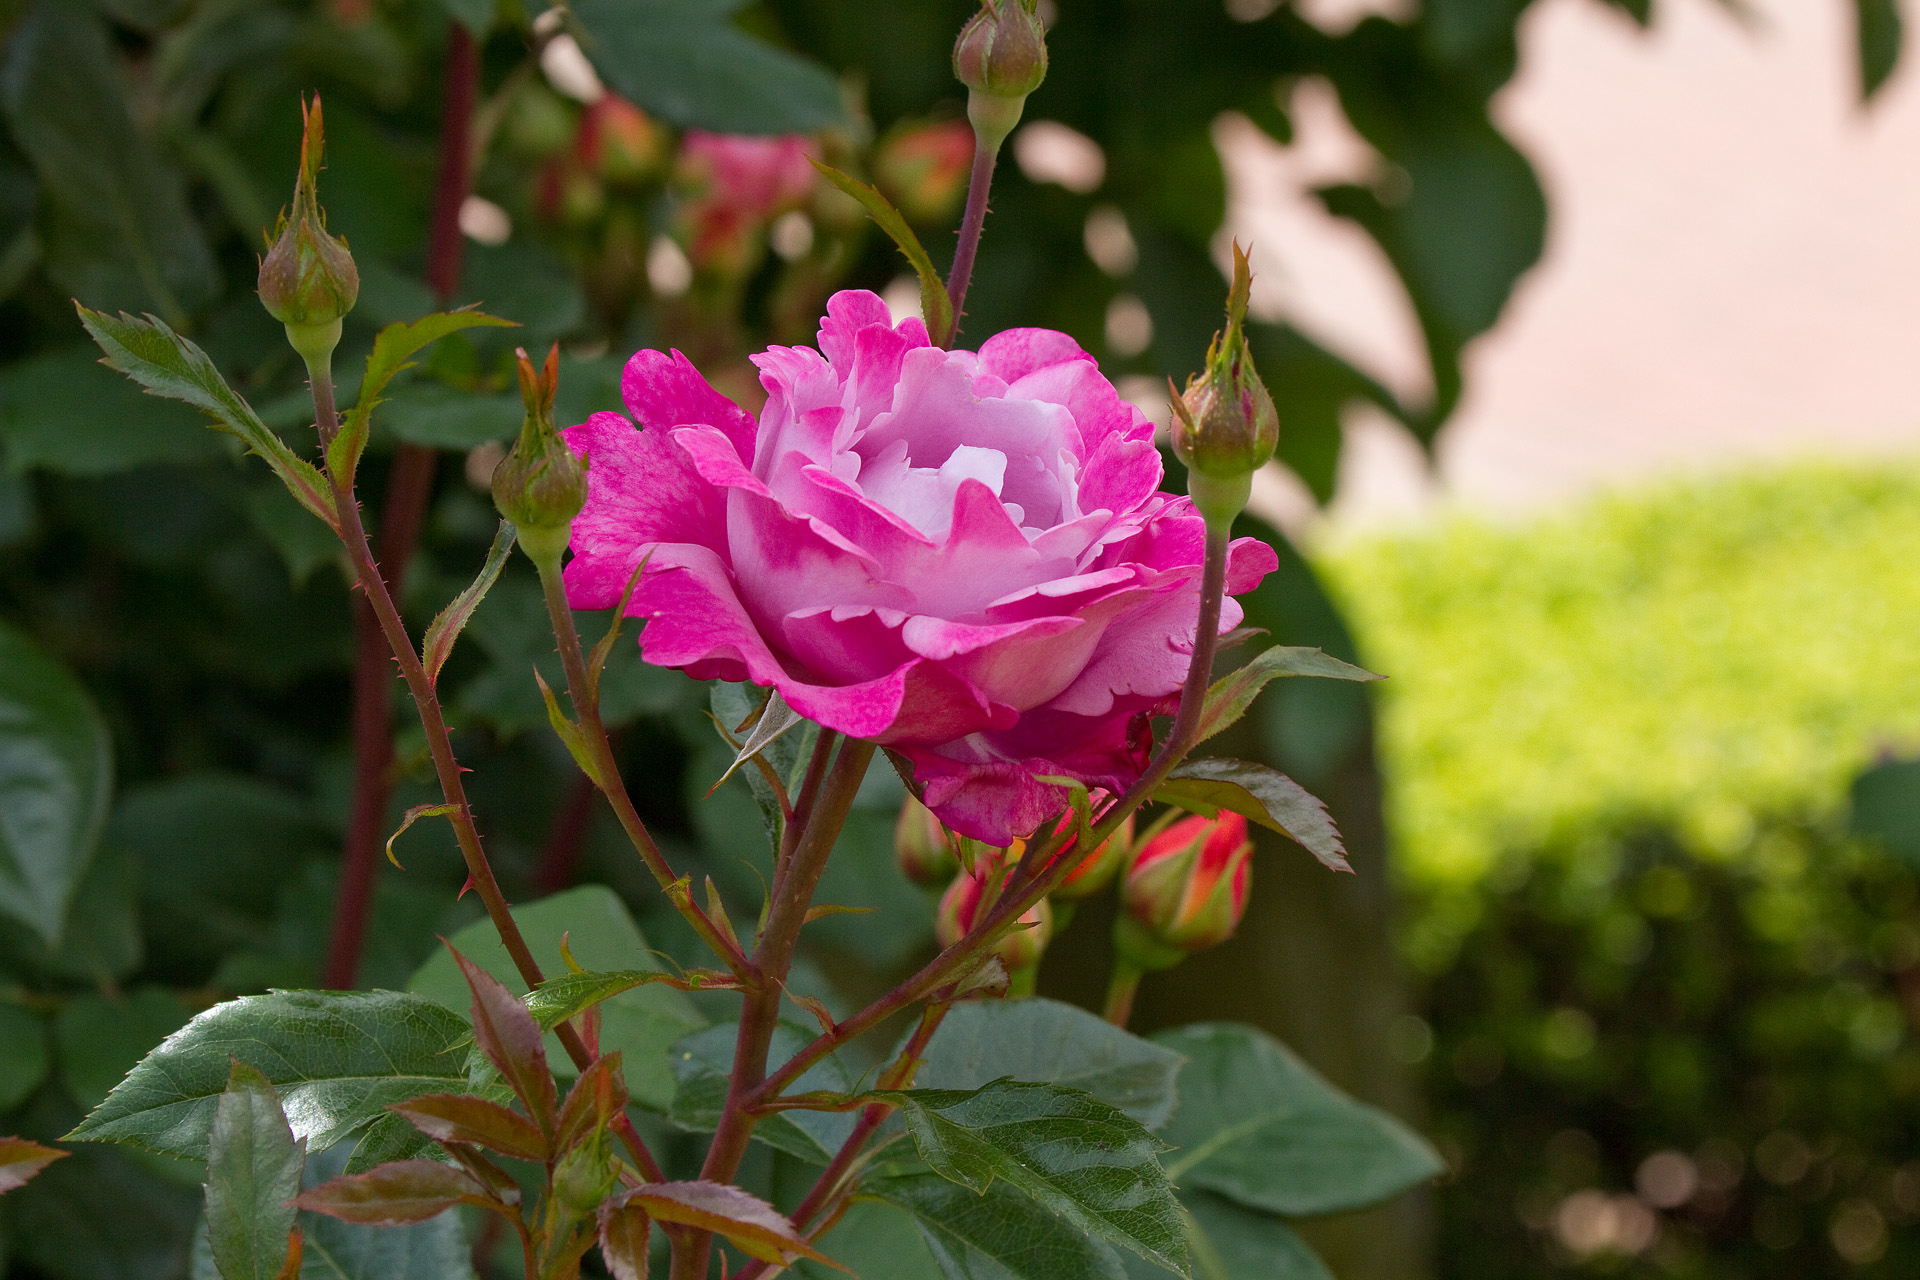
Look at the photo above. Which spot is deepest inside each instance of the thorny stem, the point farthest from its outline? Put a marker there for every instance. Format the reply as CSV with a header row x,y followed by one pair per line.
x,y
772,959
611,784
995,923
809,792
972,223
433,722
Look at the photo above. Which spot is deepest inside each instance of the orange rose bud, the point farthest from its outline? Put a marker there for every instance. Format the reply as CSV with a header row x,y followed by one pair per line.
x,y
921,845
1094,871
1186,891
960,906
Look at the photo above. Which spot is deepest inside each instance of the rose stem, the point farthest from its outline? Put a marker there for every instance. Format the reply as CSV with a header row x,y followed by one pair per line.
x,y
433,722
772,960
409,485
972,223
1120,991
587,709
1000,919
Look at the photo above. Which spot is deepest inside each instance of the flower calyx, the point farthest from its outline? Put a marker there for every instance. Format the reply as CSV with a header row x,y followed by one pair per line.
x,y
308,281
1001,56
541,485
1225,425
1186,891
1093,872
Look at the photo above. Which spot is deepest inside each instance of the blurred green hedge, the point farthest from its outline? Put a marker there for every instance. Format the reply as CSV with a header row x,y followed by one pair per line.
x,y
1672,1002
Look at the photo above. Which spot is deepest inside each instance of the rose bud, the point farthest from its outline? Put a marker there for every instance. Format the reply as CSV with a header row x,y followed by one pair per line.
x,y
921,846
1001,56
1186,891
308,280
1096,870
960,906
541,485
619,143
923,169
1225,426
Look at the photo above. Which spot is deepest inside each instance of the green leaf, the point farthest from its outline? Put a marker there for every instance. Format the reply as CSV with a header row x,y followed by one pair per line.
x,y
1073,1154
1878,29
1265,795
1231,1243
100,1039
114,220
785,753
700,1065
572,994
337,1059
56,772
935,304
62,411
169,365
302,541
683,61
641,1023
452,620
1258,1126
23,1054
393,352
998,1235
1231,695
981,1041
253,1171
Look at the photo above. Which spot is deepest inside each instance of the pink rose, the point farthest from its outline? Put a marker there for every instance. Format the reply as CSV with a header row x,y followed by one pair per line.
x,y
961,556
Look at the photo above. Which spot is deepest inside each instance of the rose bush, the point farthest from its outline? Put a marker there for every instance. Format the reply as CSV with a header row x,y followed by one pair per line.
x,y
963,556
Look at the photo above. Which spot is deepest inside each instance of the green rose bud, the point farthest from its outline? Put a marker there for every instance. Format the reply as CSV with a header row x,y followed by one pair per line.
x,y
1001,56
308,280
542,484
1225,426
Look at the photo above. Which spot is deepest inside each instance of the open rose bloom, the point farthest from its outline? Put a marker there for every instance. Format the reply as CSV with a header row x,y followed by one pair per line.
x,y
964,557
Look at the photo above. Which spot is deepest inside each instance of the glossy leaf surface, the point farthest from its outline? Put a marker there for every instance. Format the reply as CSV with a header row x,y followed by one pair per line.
x,y
253,1173
1265,795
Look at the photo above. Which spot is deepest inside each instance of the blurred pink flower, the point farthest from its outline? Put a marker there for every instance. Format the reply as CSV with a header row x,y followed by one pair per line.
x,y
962,556
736,185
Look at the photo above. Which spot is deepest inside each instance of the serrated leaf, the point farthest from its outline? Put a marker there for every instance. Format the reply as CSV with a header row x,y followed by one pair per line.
x,y
935,304
56,775
998,1235
169,365
393,352
981,1041
253,1170
700,1065
463,1117
596,1097
21,1160
776,718
1080,1158
1230,696
572,994
1258,1126
749,1223
1265,795
452,620
337,1059
395,1195
510,1038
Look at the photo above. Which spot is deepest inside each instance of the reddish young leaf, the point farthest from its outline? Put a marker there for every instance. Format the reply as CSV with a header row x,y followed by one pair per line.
x,y
510,1038
461,1117
749,1223
395,1194
475,1162
623,1239
20,1160
596,1097
290,1269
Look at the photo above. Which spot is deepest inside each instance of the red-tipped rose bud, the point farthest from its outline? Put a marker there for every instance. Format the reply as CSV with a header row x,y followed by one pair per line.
x,y
1186,891
921,845
541,485
1225,426
923,169
1094,871
308,280
960,906
1001,56
619,143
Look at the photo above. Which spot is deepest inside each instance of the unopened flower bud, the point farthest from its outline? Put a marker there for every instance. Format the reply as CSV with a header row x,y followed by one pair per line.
x,y
960,907
1225,426
1186,891
620,143
1001,56
541,485
923,168
921,846
1094,871
308,280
